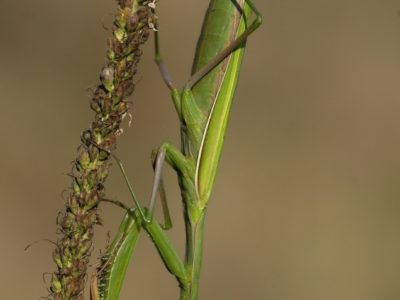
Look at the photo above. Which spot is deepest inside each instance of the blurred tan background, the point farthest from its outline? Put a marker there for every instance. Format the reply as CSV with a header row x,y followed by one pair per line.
x,y
306,205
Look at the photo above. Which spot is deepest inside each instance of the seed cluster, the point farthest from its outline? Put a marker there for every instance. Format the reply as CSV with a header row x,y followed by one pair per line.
x,y
132,25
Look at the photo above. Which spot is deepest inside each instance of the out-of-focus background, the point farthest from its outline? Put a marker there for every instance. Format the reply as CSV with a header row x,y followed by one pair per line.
x,y
307,201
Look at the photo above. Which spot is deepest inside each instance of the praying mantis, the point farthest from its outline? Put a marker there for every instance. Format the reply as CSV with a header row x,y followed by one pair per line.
x,y
203,108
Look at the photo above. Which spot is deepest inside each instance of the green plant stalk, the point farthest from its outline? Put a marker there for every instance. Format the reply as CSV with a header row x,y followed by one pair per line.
x,y
194,256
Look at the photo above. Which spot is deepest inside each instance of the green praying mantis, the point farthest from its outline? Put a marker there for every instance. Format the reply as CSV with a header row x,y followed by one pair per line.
x,y
203,108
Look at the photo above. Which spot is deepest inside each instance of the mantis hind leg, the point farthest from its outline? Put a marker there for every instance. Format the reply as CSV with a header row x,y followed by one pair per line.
x,y
229,49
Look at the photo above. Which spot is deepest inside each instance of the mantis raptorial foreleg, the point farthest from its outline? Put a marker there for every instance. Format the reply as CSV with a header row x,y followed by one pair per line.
x,y
179,162
184,166
164,246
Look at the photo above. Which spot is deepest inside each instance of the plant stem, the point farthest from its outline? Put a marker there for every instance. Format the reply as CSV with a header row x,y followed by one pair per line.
x,y
76,224
194,256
